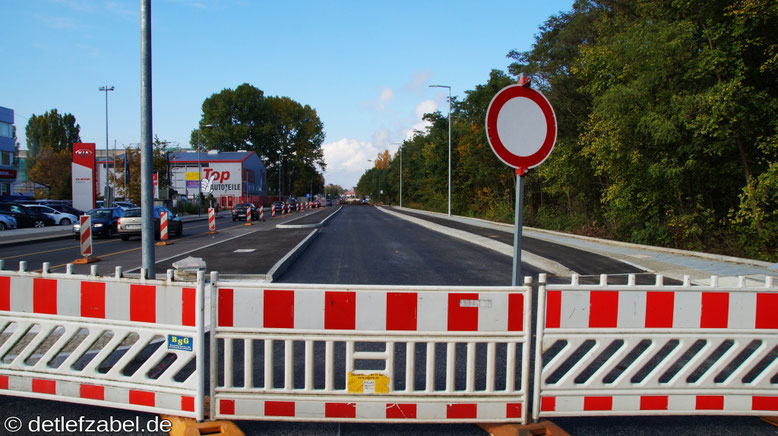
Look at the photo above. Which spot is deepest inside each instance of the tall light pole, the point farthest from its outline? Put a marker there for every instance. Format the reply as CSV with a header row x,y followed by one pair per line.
x,y
401,170
106,200
449,143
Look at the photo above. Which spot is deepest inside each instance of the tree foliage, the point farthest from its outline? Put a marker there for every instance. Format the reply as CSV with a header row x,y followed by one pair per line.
x,y
285,134
667,129
131,190
52,169
50,130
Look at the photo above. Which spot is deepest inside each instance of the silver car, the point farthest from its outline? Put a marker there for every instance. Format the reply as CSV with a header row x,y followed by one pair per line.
x,y
7,222
60,218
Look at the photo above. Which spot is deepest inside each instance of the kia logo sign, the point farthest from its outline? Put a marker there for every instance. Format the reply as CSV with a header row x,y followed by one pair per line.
x,y
84,152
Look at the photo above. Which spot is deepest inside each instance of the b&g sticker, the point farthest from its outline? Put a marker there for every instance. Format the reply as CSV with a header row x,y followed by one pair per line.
x,y
182,343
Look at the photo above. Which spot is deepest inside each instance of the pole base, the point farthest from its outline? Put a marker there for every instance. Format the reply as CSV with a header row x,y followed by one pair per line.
x,y
211,232
249,224
163,243
86,260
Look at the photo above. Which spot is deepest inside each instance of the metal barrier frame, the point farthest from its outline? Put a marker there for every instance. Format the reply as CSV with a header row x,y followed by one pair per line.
x,y
38,307
732,350
368,395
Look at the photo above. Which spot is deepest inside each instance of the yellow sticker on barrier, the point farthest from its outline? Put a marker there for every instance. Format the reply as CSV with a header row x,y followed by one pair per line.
x,y
368,383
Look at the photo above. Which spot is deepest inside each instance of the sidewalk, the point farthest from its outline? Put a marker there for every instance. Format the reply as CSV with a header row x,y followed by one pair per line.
x,y
668,262
21,236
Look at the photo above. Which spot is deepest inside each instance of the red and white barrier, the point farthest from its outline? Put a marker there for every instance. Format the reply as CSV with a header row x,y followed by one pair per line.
x,y
262,213
248,215
86,235
100,317
163,226
655,350
420,320
211,220
272,212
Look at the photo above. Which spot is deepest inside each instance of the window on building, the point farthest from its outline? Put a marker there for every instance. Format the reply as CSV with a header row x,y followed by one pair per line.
x,y
6,158
5,189
6,130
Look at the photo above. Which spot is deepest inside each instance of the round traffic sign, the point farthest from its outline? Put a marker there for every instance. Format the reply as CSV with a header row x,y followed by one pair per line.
x,y
521,126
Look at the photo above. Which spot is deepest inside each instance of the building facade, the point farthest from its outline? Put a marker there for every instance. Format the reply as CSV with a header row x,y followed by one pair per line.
x,y
7,147
236,176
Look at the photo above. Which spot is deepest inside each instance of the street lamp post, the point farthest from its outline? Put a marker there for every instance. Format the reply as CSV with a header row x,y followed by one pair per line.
x,y
106,200
401,170
449,143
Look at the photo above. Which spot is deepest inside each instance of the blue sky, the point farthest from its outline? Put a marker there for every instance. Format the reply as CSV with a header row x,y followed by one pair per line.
x,y
365,66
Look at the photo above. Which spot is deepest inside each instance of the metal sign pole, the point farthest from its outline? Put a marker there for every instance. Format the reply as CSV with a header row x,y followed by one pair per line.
x,y
519,222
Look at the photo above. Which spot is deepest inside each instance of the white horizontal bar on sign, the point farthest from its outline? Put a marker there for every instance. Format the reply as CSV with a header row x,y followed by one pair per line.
x,y
275,393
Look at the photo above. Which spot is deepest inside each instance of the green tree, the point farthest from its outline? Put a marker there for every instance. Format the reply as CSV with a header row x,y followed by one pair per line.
x,y
285,134
51,130
48,171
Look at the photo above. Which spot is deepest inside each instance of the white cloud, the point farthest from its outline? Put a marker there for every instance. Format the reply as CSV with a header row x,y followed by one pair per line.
x,y
425,107
347,160
387,95
418,80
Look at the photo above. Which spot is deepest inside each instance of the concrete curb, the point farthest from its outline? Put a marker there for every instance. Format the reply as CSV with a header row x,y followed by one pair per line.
x,y
548,265
536,232
282,265
307,226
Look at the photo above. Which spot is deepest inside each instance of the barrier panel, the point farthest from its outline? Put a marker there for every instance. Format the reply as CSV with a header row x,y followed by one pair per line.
x,y
369,353
107,341
656,350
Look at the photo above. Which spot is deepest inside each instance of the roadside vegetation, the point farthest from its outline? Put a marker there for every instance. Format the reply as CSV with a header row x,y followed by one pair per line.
x,y
667,130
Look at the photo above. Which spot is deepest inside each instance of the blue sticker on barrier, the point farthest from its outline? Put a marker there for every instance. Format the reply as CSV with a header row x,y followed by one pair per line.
x,y
182,343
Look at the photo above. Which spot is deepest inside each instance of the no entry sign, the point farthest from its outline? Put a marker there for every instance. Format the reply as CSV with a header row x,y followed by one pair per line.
x,y
521,126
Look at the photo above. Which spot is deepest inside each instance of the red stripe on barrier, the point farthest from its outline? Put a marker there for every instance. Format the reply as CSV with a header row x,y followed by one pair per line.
x,y
3,382
659,309
227,407
709,402
603,309
598,403
462,318
187,404
461,411
279,408
553,309
44,386
548,404
44,298
340,410
93,299
400,411
225,308
513,410
278,310
188,307
142,398
715,310
766,311
340,310
764,403
143,303
515,312
653,402
92,392
5,293
402,310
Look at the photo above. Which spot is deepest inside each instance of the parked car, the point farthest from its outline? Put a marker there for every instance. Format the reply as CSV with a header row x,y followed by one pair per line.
x,y
239,211
104,222
60,218
68,209
131,223
292,204
7,222
25,217
278,206
315,203
124,204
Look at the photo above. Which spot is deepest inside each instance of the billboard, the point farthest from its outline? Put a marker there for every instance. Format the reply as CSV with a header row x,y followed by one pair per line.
x,y
83,176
